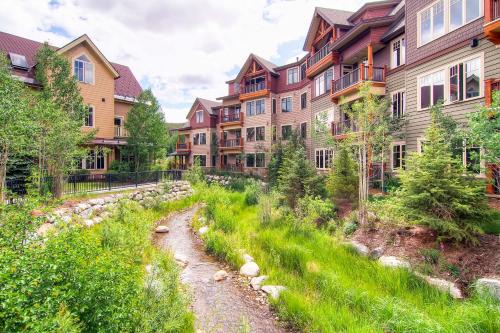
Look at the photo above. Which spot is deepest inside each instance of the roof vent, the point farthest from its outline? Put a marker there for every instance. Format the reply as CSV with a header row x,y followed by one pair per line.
x,y
18,61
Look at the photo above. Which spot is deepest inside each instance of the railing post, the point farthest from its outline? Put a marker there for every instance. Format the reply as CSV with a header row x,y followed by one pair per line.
x,y
362,72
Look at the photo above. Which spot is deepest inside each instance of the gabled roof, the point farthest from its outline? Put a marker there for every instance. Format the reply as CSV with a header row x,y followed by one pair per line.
x,y
266,64
331,16
126,84
373,4
206,104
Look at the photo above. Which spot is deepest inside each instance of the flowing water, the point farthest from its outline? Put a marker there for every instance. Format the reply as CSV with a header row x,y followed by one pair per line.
x,y
226,306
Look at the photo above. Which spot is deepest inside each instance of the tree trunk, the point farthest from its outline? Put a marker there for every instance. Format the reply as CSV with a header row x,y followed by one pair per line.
x,y
382,173
57,185
3,173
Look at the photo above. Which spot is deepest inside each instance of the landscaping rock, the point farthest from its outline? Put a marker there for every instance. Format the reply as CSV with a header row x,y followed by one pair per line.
x,y
203,230
220,275
376,252
250,269
490,286
88,222
247,258
394,262
257,281
443,285
181,260
161,229
273,291
361,249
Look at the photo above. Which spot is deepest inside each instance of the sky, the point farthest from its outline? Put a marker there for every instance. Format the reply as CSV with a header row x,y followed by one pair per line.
x,y
181,49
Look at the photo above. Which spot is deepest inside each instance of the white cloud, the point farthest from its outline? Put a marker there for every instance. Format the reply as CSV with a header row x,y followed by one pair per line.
x,y
182,48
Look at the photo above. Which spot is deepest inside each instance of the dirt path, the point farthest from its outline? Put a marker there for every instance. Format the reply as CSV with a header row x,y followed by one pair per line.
x,y
223,306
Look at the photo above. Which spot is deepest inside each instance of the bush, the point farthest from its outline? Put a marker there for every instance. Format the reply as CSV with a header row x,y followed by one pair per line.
x,y
315,210
195,174
119,166
343,180
351,223
253,191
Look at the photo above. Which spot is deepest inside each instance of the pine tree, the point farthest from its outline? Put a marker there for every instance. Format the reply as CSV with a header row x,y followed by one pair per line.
x,y
343,177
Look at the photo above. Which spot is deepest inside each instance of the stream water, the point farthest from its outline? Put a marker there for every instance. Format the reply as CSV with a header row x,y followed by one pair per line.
x,y
224,306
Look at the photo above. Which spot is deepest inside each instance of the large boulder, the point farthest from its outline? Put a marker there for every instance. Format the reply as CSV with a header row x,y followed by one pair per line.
x,y
273,291
490,286
394,262
376,252
443,285
250,269
361,249
247,258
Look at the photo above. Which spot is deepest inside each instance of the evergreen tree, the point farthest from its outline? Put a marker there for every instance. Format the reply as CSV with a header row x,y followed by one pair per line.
x,y
342,180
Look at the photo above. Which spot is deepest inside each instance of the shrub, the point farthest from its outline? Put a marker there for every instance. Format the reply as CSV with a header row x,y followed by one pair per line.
x,y
315,210
343,180
195,174
350,223
119,166
265,211
252,192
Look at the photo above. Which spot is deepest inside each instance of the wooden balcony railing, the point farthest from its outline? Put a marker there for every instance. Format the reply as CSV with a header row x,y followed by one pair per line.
x,y
490,86
183,146
231,143
343,127
232,167
318,55
120,132
363,73
492,21
250,88
232,117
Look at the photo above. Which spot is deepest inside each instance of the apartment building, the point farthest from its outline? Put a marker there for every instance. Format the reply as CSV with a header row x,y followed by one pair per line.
x,y
108,89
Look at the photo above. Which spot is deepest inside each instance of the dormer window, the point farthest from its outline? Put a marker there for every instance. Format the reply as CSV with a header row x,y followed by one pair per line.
x,y
199,116
18,61
84,70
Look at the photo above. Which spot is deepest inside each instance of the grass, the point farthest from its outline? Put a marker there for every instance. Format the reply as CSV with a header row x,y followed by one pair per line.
x,y
329,287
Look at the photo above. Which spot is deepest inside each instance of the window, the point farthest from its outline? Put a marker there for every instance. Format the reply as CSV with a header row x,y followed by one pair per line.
x,y
398,104
398,156
322,120
84,70
292,75
431,22
398,48
274,105
251,108
275,135
431,89
472,159
465,80
250,134
328,79
201,159
286,132
323,82
303,101
89,117
95,160
260,106
303,130
199,116
200,139
250,160
286,104
260,160
463,12
260,133
324,158
303,69
472,78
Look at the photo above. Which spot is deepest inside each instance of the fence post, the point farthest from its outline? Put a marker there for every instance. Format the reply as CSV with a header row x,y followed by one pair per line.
x,y
109,180
74,183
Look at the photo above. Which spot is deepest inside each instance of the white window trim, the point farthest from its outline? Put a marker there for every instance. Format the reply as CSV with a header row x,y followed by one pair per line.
x,y
255,106
325,151
281,131
297,68
420,142
447,30
206,159
254,153
446,77
300,129
93,68
482,162
398,143
303,93
404,100
318,77
93,117
291,104
200,144
202,117
275,103
403,51
95,149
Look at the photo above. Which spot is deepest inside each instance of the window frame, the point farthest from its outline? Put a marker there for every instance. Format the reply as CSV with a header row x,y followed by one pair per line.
x,y
291,132
403,111
84,62
286,103
295,75
274,105
303,135
199,135
96,152
326,156
402,54
263,160
199,120
262,102
274,134
92,117
263,135
253,139
199,156
252,104
402,155
303,102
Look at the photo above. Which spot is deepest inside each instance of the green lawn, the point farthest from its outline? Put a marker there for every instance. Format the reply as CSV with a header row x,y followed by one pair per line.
x,y
329,287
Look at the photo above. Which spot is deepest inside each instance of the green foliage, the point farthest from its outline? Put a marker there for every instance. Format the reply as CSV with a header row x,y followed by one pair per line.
x,y
431,256
342,182
315,210
119,166
252,192
434,190
275,164
147,131
350,223
195,174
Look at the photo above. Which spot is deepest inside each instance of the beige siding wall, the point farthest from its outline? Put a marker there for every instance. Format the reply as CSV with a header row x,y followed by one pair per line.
x,y
418,120
321,140
202,149
121,109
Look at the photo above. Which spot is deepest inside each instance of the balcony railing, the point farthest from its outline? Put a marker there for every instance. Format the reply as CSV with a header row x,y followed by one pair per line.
x,y
232,117
230,143
494,11
255,87
183,146
120,132
363,73
316,57
232,167
343,127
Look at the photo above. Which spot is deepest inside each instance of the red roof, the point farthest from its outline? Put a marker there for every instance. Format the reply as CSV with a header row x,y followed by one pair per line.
x,y
126,85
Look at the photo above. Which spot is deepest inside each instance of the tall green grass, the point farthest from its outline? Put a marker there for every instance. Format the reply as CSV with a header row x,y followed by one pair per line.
x,y
329,287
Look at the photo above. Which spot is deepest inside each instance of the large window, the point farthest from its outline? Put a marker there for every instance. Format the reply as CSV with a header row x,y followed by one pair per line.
x,y
472,78
398,104
251,134
286,104
250,160
199,116
398,49
303,69
200,139
431,89
324,158
95,160
274,105
251,108
292,75
303,130
323,82
89,117
260,133
444,16
260,106
260,160
398,156
84,70
303,101
286,132
201,159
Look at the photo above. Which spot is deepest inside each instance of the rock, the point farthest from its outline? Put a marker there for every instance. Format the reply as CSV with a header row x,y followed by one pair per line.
x,y
247,258
203,230
161,229
273,291
81,207
95,202
390,261
376,252
66,218
97,220
181,260
443,285
490,286
361,249
250,269
86,213
257,281
220,275
88,222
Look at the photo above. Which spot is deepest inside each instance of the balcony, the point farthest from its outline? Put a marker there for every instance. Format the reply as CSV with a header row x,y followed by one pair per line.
x,y
231,119
348,85
492,21
321,60
490,86
120,132
232,167
231,144
341,129
255,90
183,147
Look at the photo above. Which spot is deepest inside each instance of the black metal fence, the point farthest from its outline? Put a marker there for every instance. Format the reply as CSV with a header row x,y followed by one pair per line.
x,y
75,184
